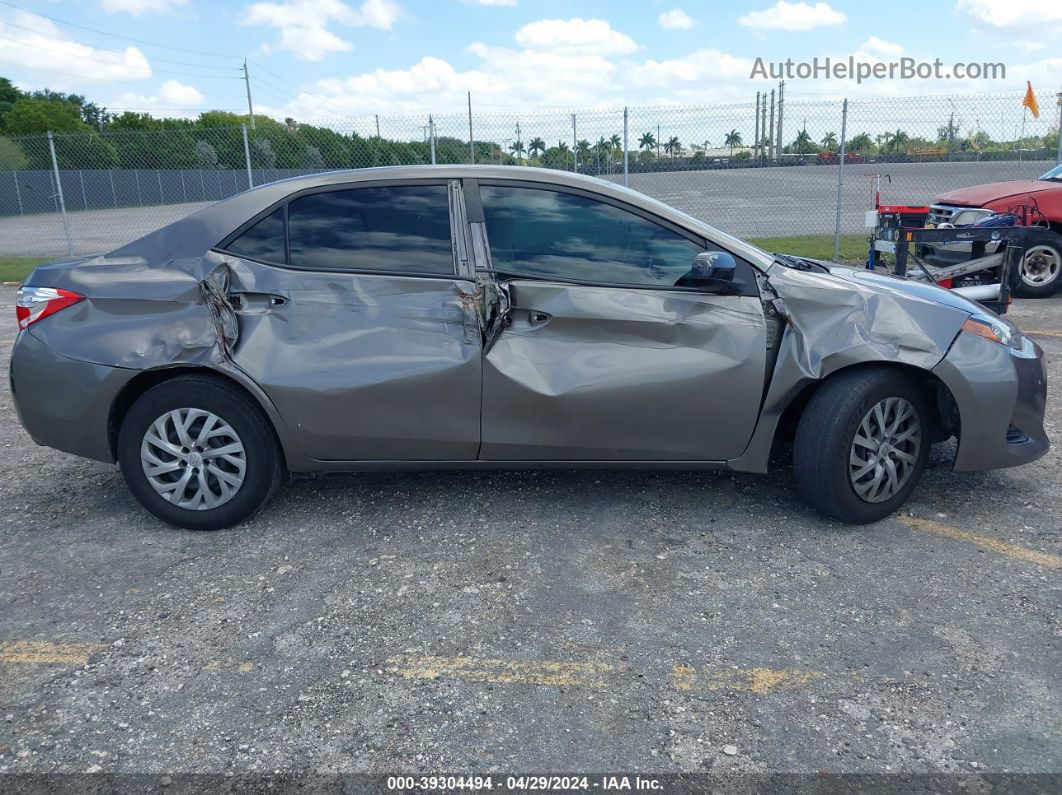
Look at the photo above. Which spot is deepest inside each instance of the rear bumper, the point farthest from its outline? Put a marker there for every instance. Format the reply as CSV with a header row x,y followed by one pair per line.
x,y
64,403
1001,394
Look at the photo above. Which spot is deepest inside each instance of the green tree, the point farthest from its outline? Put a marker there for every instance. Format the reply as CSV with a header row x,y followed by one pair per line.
x,y
583,149
536,147
12,158
647,141
673,147
829,141
862,143
802,144
29,116
733,138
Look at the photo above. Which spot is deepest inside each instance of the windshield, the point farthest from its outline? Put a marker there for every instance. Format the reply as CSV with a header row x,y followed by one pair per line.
x,y
1054,173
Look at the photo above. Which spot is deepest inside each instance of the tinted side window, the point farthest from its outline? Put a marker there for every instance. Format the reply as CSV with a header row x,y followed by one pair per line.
x,y
264,240
399,228
547,233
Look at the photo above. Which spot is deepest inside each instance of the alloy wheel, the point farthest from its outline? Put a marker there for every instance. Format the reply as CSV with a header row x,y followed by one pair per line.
x,y
884,452
193,459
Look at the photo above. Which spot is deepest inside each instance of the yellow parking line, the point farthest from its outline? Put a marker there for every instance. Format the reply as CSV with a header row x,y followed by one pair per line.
x,y
33,651
530,672
1043,332
750,680
987,542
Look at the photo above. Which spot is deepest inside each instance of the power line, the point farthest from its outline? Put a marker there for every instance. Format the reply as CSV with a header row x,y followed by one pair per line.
x,y
113,63
116,35
10,24
279,77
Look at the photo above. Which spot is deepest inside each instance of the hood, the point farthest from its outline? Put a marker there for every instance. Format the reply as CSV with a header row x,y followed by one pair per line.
x,y
906,287
980,195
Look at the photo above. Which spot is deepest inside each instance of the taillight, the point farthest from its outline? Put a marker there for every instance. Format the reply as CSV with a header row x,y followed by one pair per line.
x,y
36,303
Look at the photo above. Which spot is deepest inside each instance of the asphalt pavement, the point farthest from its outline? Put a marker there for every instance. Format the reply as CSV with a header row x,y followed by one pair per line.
x,y
535,621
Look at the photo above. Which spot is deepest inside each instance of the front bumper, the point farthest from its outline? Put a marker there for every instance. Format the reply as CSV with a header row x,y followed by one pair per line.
x,y
64,403
1001,394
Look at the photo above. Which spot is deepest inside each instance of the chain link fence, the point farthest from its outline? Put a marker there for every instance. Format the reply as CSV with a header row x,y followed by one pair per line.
x,y
773,168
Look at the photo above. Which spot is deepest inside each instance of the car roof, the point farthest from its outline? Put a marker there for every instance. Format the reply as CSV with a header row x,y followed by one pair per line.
x,y
197,233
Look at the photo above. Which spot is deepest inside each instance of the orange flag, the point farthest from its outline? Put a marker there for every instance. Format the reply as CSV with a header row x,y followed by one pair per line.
x,y
1030,100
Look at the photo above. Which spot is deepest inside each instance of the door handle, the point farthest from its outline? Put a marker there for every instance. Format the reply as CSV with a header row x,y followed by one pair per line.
x,y
537,318
255,303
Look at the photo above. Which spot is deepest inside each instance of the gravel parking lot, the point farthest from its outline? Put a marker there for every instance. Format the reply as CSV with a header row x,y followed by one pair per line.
x,y
550,621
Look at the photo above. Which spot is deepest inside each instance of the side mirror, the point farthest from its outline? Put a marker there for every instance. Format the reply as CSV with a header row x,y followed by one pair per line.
x,y
712,266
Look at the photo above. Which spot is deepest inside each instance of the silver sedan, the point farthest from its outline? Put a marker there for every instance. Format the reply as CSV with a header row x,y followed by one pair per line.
x,y
499,317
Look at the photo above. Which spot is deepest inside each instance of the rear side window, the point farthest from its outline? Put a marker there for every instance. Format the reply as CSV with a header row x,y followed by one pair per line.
x,y
264,240
401,228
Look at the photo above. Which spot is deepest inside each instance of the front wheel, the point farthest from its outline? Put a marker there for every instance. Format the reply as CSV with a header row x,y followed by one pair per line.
x,y
862,444
198,453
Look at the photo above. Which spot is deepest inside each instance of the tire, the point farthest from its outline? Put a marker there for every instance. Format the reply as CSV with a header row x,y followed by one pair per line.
x,y
1040,273
826,445
225,488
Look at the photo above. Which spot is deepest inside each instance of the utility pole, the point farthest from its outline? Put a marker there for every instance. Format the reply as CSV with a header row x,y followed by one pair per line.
x,y
377,115
756,135
781,103
770,133
247,81
431,137
471,145
519,142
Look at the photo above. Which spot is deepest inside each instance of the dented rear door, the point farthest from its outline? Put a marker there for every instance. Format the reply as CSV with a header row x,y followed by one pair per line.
x,y
596,371
366,337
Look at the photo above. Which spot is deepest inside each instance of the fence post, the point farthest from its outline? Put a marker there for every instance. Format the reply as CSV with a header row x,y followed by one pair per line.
x,y
1058,156
431,137
184,190
59,194
114,194
84,198
626,179
247,157
575,147
18,193
471,145
158,177
840,183
139,195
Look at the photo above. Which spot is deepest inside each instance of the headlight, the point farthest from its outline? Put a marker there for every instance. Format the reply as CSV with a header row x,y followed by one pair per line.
x,y
992,328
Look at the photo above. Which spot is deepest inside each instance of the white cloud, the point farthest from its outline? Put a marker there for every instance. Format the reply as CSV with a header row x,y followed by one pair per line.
x,y
698,67
793,16
171,99
179,94
492,2
1012,13
676,19
874,44
575,35
138,7
37,42
302,25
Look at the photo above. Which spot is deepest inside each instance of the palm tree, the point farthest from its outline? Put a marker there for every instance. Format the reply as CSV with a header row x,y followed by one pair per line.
x,y
899,141
829,141
617,142
733,138
583,149
802,144
647,141
517,148
673,146
563,146
536,147
862,143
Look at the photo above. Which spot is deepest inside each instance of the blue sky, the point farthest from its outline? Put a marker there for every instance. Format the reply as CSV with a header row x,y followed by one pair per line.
x,y
313,59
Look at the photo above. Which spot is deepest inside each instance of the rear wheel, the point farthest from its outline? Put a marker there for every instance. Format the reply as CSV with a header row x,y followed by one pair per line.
x,y
1040,272
862,444
198,453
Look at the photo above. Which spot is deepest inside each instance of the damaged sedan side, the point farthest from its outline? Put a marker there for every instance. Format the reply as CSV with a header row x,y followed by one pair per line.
x,y
474,317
